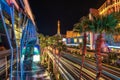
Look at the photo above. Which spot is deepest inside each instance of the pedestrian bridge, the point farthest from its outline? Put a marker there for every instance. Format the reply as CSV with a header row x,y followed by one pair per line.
x,y
18,37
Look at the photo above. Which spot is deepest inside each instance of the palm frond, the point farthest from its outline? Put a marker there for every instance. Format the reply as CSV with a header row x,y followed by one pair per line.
x,y
78,28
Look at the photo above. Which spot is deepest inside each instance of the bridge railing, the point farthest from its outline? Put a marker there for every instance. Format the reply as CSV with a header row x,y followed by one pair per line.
x,y
6,53
5,62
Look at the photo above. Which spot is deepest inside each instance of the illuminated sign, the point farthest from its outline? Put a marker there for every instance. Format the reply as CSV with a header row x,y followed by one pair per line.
x,y
80,40
75,40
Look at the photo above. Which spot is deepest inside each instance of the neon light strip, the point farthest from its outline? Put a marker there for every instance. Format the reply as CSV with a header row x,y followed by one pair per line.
x,y
114,47
109,46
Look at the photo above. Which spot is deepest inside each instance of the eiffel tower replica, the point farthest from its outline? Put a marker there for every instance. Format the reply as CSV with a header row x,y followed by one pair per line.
x,y
58,28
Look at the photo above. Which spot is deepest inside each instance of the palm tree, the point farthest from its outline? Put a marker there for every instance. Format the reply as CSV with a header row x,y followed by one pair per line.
x,y
100,25
82,27
117,28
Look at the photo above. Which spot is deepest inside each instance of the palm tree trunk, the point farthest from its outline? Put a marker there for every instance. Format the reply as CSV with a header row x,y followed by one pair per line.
x,y
83,52
98,56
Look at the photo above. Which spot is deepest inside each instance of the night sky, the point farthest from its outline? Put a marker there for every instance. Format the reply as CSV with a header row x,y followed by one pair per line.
x,y
47,12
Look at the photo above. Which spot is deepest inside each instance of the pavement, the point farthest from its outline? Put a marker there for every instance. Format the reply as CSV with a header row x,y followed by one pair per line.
x,y
37,73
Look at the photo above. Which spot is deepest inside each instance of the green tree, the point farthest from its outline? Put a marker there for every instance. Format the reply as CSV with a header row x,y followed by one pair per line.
x,y
43,44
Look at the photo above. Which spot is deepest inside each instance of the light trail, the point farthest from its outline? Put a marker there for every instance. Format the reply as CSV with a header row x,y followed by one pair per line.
x,y
76,60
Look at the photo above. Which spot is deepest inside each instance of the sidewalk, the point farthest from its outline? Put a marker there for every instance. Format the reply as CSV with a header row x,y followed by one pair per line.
x,y
42,76
37,73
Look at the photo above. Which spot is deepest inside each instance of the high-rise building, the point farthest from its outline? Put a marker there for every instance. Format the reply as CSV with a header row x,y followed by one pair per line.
x,y
109,6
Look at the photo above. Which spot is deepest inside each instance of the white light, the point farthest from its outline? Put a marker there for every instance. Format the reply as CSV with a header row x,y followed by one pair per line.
x,y
114,46
80,40
36,58
72,44
35,49
88,45
22,58
64,39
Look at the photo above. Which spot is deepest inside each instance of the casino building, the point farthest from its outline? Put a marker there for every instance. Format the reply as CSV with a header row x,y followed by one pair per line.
x,y
108,7
113,41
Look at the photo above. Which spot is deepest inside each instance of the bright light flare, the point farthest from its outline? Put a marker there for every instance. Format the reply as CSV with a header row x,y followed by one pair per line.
x,y
36,58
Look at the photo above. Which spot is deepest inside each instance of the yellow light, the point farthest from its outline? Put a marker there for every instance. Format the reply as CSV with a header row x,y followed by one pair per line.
x,y
75,40
118,24
7,21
